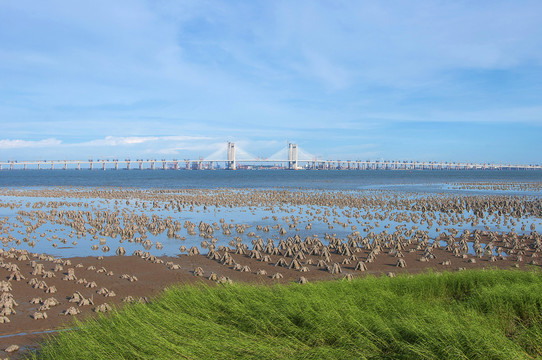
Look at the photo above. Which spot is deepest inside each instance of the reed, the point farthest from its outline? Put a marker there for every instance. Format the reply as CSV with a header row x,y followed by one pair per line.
x,y
475,314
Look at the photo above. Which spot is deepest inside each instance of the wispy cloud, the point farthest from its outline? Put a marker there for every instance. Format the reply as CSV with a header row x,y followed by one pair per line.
x,y
18,143
134,140
109,141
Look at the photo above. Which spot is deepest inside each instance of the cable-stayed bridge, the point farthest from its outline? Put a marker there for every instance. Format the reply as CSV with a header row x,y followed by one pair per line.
x,y
231,157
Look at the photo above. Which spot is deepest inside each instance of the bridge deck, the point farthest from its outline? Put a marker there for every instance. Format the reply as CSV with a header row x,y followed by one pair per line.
x,y
324,164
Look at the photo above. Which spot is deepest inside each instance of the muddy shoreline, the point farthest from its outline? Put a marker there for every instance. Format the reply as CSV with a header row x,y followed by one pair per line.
x,y
112,278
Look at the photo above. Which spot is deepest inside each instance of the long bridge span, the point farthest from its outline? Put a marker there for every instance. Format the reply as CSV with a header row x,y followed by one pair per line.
x,y
292,162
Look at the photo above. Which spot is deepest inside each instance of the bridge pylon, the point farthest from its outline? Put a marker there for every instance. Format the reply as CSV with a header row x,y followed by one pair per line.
x,y
231,164
292,156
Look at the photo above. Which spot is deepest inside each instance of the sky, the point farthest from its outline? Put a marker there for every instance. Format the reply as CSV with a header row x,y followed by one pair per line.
x,y
388,80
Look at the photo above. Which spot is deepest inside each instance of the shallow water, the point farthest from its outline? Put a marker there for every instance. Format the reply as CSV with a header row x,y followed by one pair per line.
x,y
51,233
34,333
357,183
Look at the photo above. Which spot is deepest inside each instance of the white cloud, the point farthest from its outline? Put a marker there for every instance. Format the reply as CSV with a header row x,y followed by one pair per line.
x,y
19,144
134,140
116,141
531,115
107,141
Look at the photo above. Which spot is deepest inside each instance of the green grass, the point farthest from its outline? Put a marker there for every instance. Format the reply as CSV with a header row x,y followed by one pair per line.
x,y
483,314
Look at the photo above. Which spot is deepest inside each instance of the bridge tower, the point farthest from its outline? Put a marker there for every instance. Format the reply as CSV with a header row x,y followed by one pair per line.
x,y
231,164
292,156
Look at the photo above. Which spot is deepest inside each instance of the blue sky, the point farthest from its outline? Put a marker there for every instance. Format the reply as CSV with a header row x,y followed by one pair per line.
x,y
423,80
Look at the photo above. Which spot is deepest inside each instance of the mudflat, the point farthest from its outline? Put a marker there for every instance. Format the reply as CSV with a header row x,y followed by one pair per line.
x,y
152,239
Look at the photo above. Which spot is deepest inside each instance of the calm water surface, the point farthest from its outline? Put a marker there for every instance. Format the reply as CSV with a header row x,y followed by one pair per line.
x,y
418,180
